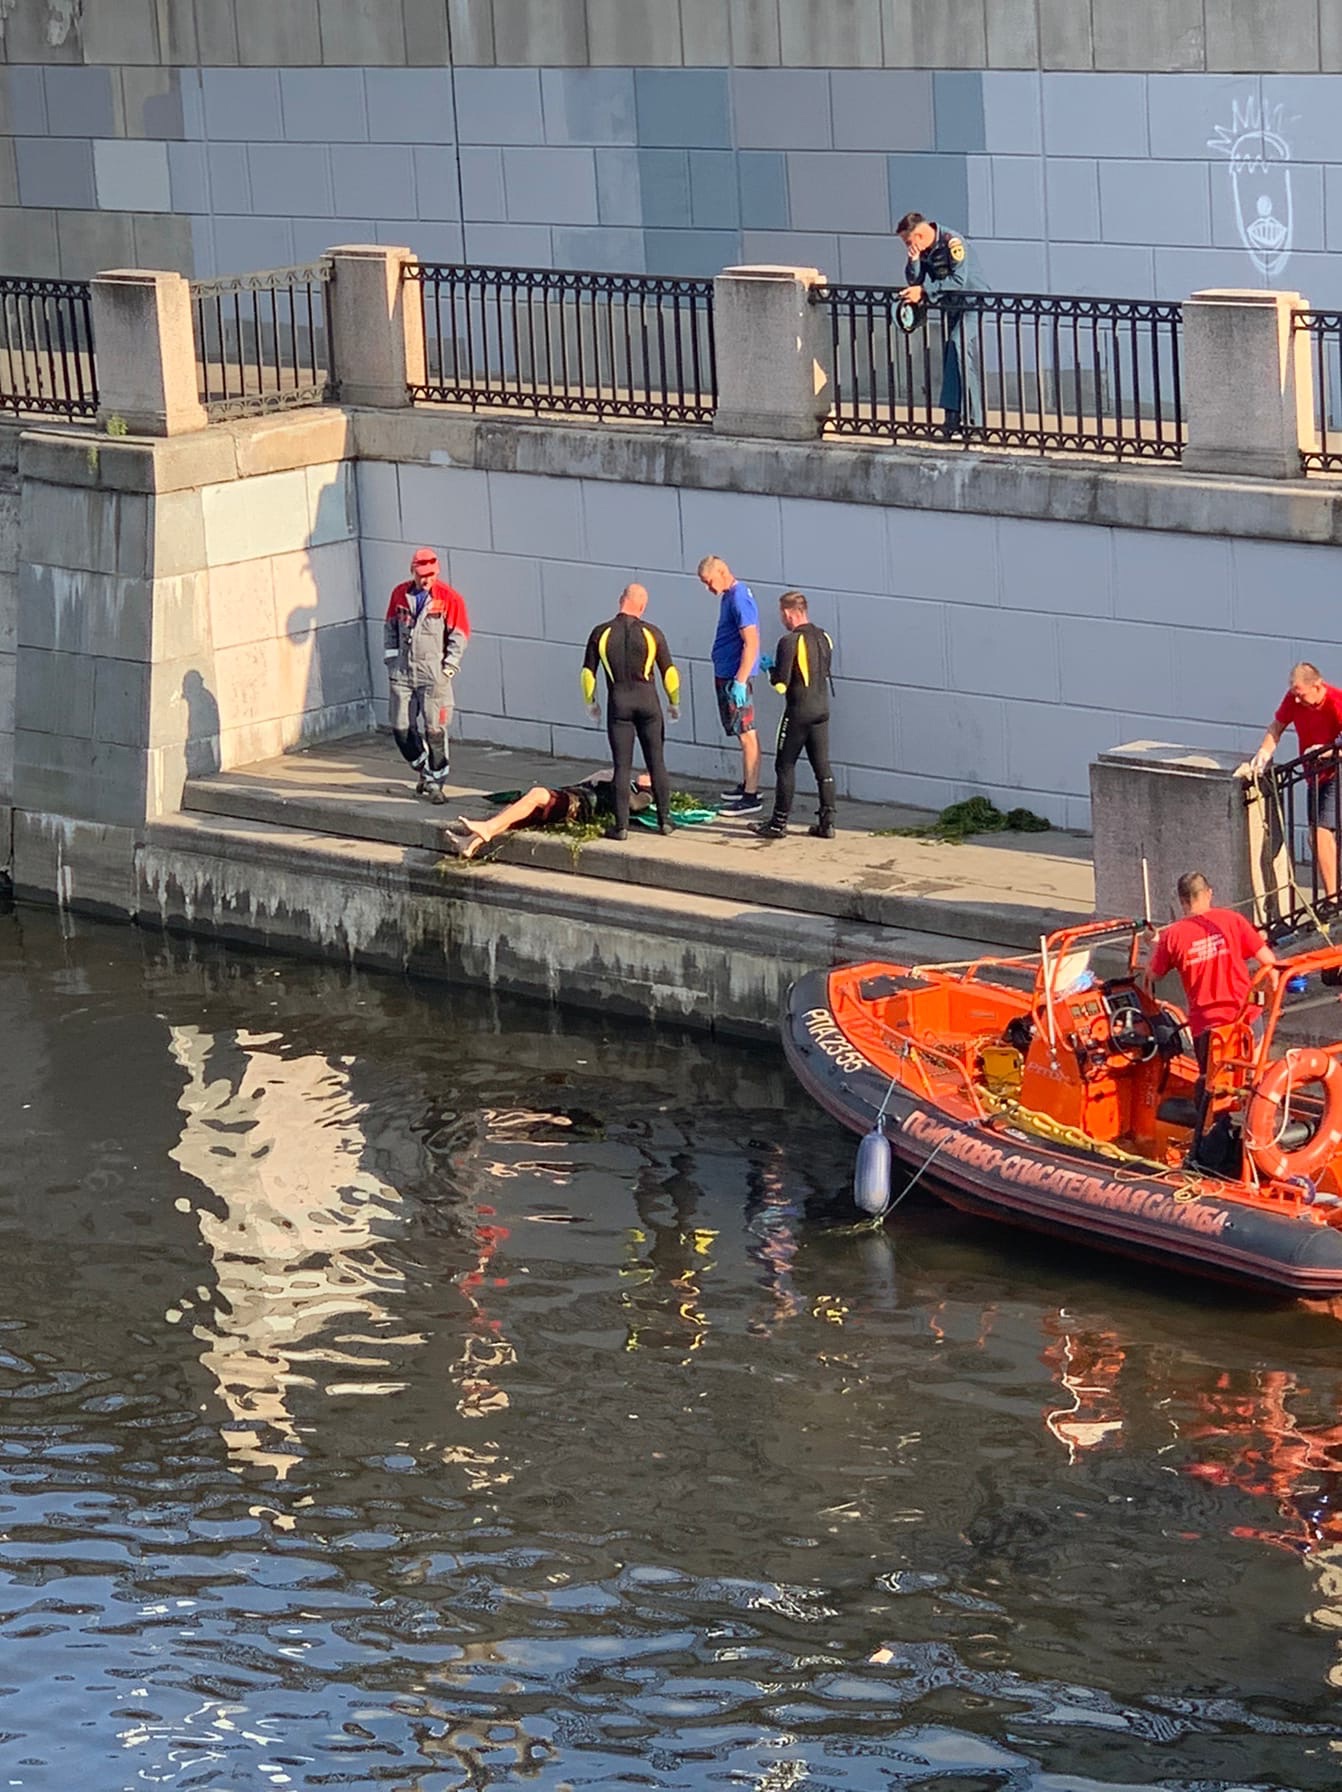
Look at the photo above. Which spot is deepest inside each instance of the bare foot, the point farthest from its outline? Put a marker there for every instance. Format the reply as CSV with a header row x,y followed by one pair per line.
x,y
481,833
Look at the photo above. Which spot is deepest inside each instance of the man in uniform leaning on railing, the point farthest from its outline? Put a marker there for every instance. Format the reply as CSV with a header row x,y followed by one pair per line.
x,y
1314,710
941,265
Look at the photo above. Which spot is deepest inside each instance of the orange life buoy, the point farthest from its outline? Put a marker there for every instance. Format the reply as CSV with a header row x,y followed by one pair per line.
x,y
1263,1123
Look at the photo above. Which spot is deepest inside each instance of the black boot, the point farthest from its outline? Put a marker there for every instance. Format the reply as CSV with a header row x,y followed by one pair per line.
x,y
773,829
824,827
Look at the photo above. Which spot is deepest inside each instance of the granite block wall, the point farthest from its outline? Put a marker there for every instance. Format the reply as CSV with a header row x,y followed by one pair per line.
x,y
974,653
1141,149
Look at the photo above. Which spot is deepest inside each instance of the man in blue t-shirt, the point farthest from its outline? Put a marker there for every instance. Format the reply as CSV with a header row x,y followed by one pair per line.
x,y
736,658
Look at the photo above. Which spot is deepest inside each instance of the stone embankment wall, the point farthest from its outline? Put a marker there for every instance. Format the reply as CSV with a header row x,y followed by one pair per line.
x,y
1115,147
988,638
9,606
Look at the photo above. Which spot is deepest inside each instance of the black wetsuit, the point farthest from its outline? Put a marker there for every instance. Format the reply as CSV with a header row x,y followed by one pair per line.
x,y
801,671
631,652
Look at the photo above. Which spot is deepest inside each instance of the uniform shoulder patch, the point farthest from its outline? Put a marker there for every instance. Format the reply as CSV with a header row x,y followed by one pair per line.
x,y
957,248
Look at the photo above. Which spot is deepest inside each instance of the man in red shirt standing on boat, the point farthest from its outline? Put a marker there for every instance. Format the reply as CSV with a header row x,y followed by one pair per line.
x,y
1314,710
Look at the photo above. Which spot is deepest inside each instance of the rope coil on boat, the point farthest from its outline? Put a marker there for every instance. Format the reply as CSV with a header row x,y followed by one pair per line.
x,y
1059,1133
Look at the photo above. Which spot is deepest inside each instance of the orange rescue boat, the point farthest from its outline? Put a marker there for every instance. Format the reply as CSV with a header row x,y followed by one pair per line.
x,y
1034,1091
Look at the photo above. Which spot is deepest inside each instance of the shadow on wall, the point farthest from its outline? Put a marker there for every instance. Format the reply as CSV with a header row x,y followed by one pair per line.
x,y
202,726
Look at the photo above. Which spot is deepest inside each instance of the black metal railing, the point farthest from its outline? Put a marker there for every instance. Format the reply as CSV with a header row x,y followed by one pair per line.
x,y
1301,843
1324,330
263,340
1053,374
46,348
593,345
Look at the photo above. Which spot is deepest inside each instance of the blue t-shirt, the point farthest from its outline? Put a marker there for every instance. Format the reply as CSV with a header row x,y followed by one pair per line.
x,y
738,611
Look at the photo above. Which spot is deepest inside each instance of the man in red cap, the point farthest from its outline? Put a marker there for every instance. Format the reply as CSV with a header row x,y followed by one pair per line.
x,y
423,642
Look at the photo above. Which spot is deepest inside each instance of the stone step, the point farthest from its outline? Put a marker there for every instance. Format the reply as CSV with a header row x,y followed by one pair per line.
x,y
987,896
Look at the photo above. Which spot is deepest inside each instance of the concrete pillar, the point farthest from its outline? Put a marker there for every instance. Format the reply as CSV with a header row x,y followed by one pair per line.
x,y
146,349
772,354
377,326
1180,808
1246,384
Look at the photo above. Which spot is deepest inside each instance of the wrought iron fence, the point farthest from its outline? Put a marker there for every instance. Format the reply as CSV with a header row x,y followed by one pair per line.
x,y
1298,845
594,345
263,340
46,347
1324,329
1038,371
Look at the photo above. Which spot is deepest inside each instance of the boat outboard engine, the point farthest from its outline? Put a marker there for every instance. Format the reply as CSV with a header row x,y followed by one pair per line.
x,y
871,1173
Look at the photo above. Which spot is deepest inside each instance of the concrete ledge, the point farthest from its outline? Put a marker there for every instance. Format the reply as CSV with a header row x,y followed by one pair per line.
x,y
82,865
721,966
213,456
903,477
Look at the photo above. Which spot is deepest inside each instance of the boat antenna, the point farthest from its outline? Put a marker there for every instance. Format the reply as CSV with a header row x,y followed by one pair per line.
x,y
1048,994
1147,920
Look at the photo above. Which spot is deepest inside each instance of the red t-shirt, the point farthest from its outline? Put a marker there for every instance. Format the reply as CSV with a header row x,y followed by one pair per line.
x,y
1315,724
1209,951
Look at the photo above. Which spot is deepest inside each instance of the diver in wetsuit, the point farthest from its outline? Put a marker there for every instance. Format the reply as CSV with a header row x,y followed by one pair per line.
x,y
800,671
630,651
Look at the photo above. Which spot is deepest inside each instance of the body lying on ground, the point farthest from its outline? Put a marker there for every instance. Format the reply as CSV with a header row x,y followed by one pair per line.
x,y
546,806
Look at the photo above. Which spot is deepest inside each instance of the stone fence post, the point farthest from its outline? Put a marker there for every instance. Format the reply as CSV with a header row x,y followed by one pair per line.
x,y
1246,382
146,349
772,354
377,325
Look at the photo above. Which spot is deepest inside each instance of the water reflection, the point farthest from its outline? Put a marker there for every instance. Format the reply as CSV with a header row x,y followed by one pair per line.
x,y
302,1297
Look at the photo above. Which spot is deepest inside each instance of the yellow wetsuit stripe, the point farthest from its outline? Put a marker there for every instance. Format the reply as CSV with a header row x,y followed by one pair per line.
x,y
601,647
588,686
650,661
672,682
803,660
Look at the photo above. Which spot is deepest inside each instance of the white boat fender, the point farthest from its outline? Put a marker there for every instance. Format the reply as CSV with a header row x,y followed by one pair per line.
x,y
871,1173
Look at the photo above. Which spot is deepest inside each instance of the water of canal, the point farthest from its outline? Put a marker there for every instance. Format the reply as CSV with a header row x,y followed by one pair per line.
x,y
400,1389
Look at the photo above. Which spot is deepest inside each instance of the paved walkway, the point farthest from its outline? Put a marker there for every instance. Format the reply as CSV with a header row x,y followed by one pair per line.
x,y
1002,889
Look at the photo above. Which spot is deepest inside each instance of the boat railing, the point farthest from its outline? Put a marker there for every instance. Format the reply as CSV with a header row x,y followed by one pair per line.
x,y
1297,824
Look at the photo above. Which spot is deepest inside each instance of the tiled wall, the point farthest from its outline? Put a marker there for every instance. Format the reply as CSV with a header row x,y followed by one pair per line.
x,y
1104,183
973,653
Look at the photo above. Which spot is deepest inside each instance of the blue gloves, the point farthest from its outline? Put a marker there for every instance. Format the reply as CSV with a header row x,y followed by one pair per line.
x,y
766,662
738,693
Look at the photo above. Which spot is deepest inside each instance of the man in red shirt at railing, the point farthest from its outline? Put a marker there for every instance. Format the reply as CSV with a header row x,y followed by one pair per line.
x,y
1314,710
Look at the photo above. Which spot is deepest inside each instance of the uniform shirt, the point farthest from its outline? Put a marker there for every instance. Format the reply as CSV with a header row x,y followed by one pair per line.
x,y
629,651
1209,951
425,635
947,265
1315,724
801,671
737,610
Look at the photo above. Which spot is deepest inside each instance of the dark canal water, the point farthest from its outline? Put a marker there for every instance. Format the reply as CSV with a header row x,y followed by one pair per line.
x,y
402,1390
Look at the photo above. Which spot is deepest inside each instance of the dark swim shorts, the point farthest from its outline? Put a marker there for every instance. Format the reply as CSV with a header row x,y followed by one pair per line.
x,y
734,721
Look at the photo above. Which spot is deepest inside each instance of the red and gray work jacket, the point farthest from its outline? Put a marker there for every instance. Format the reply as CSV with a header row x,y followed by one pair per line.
x,y
422,641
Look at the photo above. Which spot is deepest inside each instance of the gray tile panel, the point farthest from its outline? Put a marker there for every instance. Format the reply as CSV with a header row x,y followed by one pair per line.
x,y
1018,197
1065,40
792,248
881,109
312,237
1307,109
356,34
25,101
482,194
615,251
151,103
80,102
499,105
714,200
431,242
957,104
1072,198
1013,34
1095,115
618,188
688,107
323,105
1156,202
694,253
1187,113
413,105
374,180
1150,34
870,261
937,186
840,34
426,33
290,180
55,171
1283,35
755,36
781,109
550,186
545,33
242,105
706,33
589,105
664,187
1103,270
436,194
1013,113
286,34
949,33
89,241
762,174
838,191
1333,206
242,245
509,245
226,171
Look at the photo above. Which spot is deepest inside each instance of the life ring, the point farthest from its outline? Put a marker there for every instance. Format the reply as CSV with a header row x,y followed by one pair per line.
x,y
1262,1125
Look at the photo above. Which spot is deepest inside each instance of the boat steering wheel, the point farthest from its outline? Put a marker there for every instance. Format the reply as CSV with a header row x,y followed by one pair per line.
x,y
1131,1033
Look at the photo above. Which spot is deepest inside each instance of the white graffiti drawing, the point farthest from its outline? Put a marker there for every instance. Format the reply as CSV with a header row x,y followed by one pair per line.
x,y
1260,181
